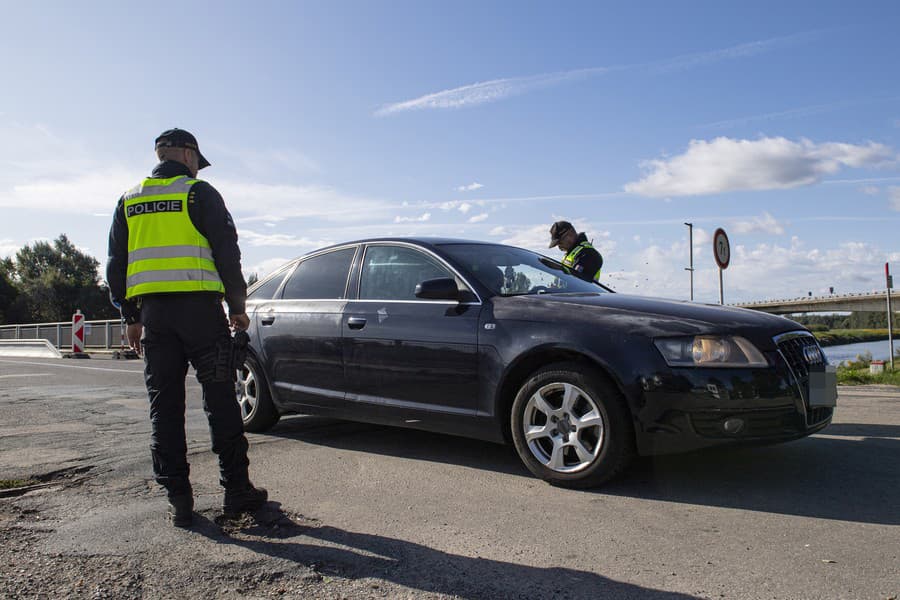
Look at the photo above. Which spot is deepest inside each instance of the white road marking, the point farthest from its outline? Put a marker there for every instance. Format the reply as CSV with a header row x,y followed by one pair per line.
x,y
24,375
44,364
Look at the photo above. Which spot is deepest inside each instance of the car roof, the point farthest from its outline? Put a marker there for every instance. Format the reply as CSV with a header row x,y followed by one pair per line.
x,y
427,241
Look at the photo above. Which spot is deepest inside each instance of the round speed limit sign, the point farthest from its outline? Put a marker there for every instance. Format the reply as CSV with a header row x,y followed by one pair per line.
x,y
721,248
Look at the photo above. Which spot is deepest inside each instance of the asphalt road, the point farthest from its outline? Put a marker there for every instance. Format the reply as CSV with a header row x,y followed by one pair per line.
x,y
363,511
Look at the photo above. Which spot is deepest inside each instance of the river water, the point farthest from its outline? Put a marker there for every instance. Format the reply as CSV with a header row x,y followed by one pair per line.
x,y
879,350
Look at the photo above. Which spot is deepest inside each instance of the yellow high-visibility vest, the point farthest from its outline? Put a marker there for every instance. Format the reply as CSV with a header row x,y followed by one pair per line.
x,y
166,252
569,260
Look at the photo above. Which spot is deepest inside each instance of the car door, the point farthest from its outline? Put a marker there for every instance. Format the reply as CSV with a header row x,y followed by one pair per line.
x,y
404,355
300,333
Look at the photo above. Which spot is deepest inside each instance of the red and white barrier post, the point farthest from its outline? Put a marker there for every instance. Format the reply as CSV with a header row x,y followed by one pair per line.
x,y
78,332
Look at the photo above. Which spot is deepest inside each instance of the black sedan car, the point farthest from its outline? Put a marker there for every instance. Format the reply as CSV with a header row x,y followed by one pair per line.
x,y
503,344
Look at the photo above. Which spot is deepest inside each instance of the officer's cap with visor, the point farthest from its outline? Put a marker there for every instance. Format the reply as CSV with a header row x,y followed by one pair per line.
x,y
557,230
179,138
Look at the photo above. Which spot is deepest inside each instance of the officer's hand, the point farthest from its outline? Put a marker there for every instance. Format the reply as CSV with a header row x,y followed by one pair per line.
x,y
133,334
239,322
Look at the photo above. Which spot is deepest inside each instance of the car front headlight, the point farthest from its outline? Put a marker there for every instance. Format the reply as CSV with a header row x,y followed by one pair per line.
x,y
710,351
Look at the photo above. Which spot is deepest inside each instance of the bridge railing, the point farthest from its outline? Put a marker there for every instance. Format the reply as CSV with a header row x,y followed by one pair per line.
x,y
106,334
830,297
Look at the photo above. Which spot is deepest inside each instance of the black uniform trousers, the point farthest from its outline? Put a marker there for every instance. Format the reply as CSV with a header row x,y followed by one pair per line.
x,y
180,329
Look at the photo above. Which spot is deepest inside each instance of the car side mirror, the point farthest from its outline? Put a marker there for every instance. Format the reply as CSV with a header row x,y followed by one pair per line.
x,y
442,288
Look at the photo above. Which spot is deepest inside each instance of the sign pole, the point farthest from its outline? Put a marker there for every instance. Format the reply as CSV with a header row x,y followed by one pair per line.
x,y
721,288
889,281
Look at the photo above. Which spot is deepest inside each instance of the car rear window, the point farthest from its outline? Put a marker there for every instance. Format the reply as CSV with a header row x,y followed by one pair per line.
x,y
321,277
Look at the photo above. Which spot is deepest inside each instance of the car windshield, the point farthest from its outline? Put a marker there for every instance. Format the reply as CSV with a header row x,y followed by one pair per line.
x,y
510,271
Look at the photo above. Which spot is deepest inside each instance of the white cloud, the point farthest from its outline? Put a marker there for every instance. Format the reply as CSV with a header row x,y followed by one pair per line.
x,y
894,196
41,171
266,267
9,248
756,272
464,207
282,201
726,165
420,219
91,192
253,238
870,190
499,230
470,188
478,218
762,224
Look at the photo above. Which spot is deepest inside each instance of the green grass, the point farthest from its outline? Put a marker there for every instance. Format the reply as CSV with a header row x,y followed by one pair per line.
x,y
856,372
850,376
7,484
836,337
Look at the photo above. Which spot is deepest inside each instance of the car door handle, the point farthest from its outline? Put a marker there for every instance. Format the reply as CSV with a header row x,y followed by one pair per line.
x,y
356,322
268,319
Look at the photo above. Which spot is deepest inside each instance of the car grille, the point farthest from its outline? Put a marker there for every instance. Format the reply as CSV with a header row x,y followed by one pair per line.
x,y
758,423
800,352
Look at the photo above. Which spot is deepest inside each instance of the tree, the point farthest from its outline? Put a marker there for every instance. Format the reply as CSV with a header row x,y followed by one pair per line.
x,y
55,279
8,291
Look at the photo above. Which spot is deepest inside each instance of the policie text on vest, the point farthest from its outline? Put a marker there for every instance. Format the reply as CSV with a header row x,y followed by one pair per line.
x,y
153,206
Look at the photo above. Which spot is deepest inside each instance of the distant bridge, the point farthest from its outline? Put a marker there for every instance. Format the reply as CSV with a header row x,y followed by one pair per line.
x,y
864,302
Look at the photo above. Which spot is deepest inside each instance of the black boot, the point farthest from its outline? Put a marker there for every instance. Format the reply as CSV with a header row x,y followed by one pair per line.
x,y
244,499
181,510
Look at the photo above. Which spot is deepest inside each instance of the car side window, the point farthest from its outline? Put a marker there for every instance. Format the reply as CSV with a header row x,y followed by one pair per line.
x,y
392,272
321,277
267,289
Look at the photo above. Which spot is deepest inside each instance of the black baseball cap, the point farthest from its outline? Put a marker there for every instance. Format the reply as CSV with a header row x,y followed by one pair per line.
x,y
557,230
179,138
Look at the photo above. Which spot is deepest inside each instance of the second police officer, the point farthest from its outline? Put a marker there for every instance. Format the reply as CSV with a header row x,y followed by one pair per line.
x,y
582,259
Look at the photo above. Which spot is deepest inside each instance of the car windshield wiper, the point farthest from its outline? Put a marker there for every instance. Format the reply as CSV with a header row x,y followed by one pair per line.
x,y
552,264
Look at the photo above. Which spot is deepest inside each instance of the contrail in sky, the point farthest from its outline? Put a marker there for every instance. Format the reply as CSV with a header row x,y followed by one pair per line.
x,y
497,89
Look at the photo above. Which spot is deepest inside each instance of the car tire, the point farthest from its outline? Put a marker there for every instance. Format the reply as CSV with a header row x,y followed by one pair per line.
x,y
257,410
571,426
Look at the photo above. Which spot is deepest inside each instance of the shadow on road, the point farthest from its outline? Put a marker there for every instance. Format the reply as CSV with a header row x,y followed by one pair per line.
x,y
821,477
336,552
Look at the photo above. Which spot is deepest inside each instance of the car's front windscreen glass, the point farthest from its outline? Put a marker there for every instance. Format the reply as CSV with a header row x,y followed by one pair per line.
x,y
512,271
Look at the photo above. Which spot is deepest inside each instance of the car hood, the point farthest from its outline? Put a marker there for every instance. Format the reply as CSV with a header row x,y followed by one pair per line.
x,y
653,317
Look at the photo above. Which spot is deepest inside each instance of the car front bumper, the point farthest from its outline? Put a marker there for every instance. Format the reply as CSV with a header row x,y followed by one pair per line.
x,y
687,409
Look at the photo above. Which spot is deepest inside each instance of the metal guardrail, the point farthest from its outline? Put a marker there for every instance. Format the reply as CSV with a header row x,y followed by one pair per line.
x,y
106,335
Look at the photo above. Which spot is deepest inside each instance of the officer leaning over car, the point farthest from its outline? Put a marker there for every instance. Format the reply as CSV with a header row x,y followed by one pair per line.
x,y
582,259
173,256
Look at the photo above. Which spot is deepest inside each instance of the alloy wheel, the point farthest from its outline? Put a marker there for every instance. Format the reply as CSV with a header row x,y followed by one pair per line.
x,y
564,427
247,391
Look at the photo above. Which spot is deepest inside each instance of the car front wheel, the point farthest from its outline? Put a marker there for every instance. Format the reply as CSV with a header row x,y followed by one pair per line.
x,y
571,426
257,410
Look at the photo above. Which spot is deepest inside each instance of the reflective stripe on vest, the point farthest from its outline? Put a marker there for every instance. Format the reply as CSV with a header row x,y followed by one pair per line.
x,y
569,260
166,252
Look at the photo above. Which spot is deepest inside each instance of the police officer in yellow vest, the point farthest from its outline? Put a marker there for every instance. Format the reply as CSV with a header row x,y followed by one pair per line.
x,y
582,259
173,257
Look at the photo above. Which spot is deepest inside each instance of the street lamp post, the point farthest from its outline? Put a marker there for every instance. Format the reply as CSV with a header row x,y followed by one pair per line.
x,y
691,247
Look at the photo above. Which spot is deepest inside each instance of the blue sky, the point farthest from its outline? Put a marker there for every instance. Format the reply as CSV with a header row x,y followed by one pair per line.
x,y
330,121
